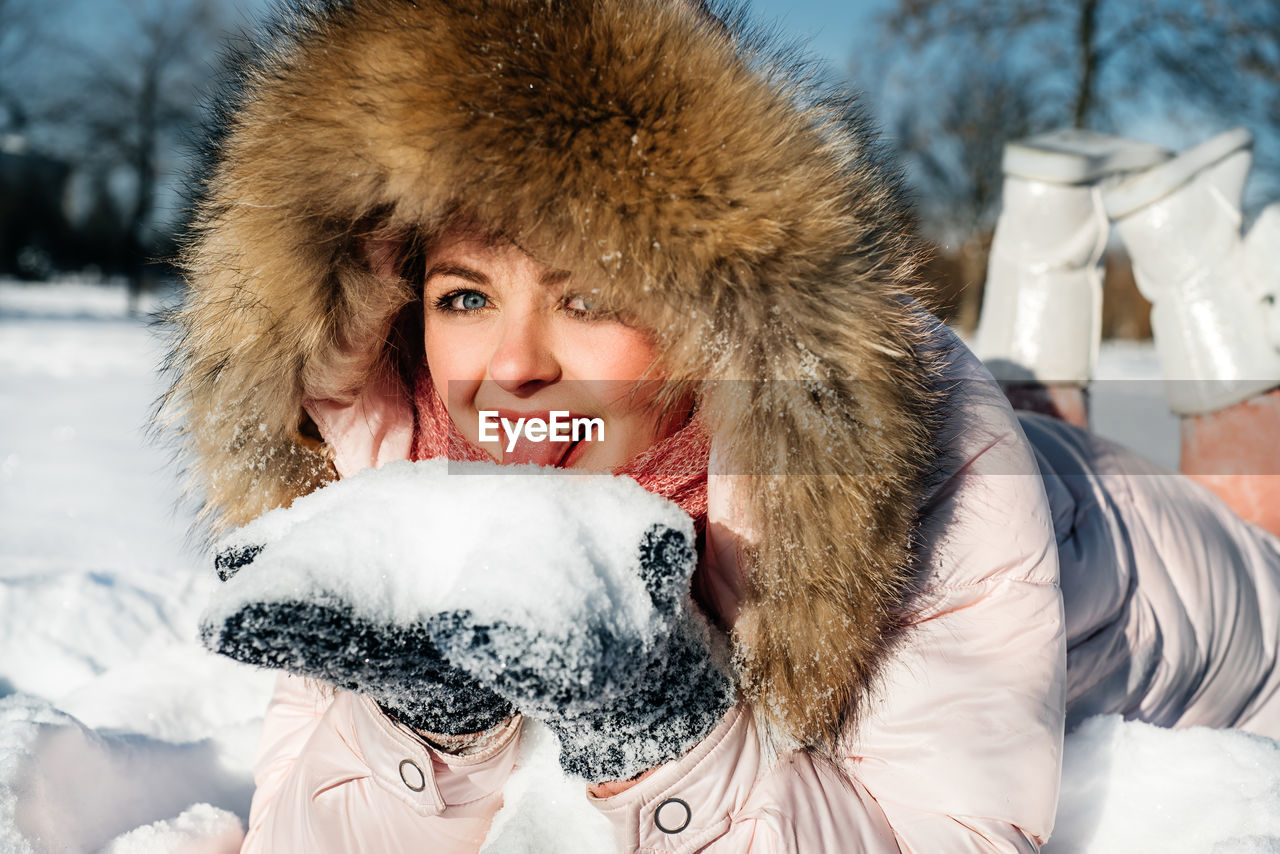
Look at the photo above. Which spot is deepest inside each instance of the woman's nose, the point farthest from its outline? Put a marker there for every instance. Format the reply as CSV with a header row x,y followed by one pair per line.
x,y
524,360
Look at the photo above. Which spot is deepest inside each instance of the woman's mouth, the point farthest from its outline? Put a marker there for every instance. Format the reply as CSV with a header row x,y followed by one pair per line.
x,y
540,453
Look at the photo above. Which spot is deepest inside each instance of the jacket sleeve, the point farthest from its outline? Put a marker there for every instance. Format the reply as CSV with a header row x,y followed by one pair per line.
x,y
338,775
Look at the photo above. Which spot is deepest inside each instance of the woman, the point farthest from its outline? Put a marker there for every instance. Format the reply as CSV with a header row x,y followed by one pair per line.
x,y
545,203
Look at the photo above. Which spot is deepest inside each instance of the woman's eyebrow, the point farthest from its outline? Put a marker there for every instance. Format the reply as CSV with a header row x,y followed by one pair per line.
x,y
461,272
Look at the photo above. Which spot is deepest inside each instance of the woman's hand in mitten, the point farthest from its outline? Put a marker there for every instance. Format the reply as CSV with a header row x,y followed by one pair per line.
x,y
321,635
623,695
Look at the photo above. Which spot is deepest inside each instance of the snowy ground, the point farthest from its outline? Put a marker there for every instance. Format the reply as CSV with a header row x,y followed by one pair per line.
x,y
118,733
114,718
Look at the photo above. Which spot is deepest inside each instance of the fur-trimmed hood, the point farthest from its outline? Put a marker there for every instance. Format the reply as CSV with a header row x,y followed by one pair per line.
x,y
657,147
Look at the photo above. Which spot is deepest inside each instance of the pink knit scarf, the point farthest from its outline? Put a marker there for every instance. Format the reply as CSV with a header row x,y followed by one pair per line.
x,y
674,467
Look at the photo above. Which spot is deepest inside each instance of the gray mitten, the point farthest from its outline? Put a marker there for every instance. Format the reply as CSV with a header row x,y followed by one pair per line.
x,y
621,699
325,637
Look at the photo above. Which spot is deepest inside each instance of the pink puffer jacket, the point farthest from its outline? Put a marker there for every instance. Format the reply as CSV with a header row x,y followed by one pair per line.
x,y
1172,607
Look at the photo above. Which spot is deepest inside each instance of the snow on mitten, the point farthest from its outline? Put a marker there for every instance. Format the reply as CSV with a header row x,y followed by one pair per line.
x,y
620,698
565,594
324,637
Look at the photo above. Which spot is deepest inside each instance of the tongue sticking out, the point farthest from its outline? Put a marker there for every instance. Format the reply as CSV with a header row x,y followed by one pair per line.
x,y
545,453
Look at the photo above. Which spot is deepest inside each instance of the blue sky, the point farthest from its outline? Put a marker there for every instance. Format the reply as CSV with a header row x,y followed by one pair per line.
x,y
831,29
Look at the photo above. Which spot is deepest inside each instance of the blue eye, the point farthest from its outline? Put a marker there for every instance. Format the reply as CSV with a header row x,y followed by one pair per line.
x,y
464,301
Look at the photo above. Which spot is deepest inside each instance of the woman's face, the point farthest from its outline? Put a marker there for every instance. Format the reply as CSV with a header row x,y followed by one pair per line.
x,y
509,337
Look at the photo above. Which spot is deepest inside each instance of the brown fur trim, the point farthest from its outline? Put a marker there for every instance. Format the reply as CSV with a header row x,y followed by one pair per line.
x,y
713,193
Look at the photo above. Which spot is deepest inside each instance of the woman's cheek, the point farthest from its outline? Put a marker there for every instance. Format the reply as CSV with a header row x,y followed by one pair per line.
x,y
611,358
457,367
609,351
456,352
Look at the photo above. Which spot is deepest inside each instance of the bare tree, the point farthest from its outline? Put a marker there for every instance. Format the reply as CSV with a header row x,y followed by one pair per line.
x,y
23,30
1084,63
146,96
133,100
1096,50
955,148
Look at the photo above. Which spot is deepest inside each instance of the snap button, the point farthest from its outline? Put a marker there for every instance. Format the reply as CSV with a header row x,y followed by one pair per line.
x,y
672,815
411,775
